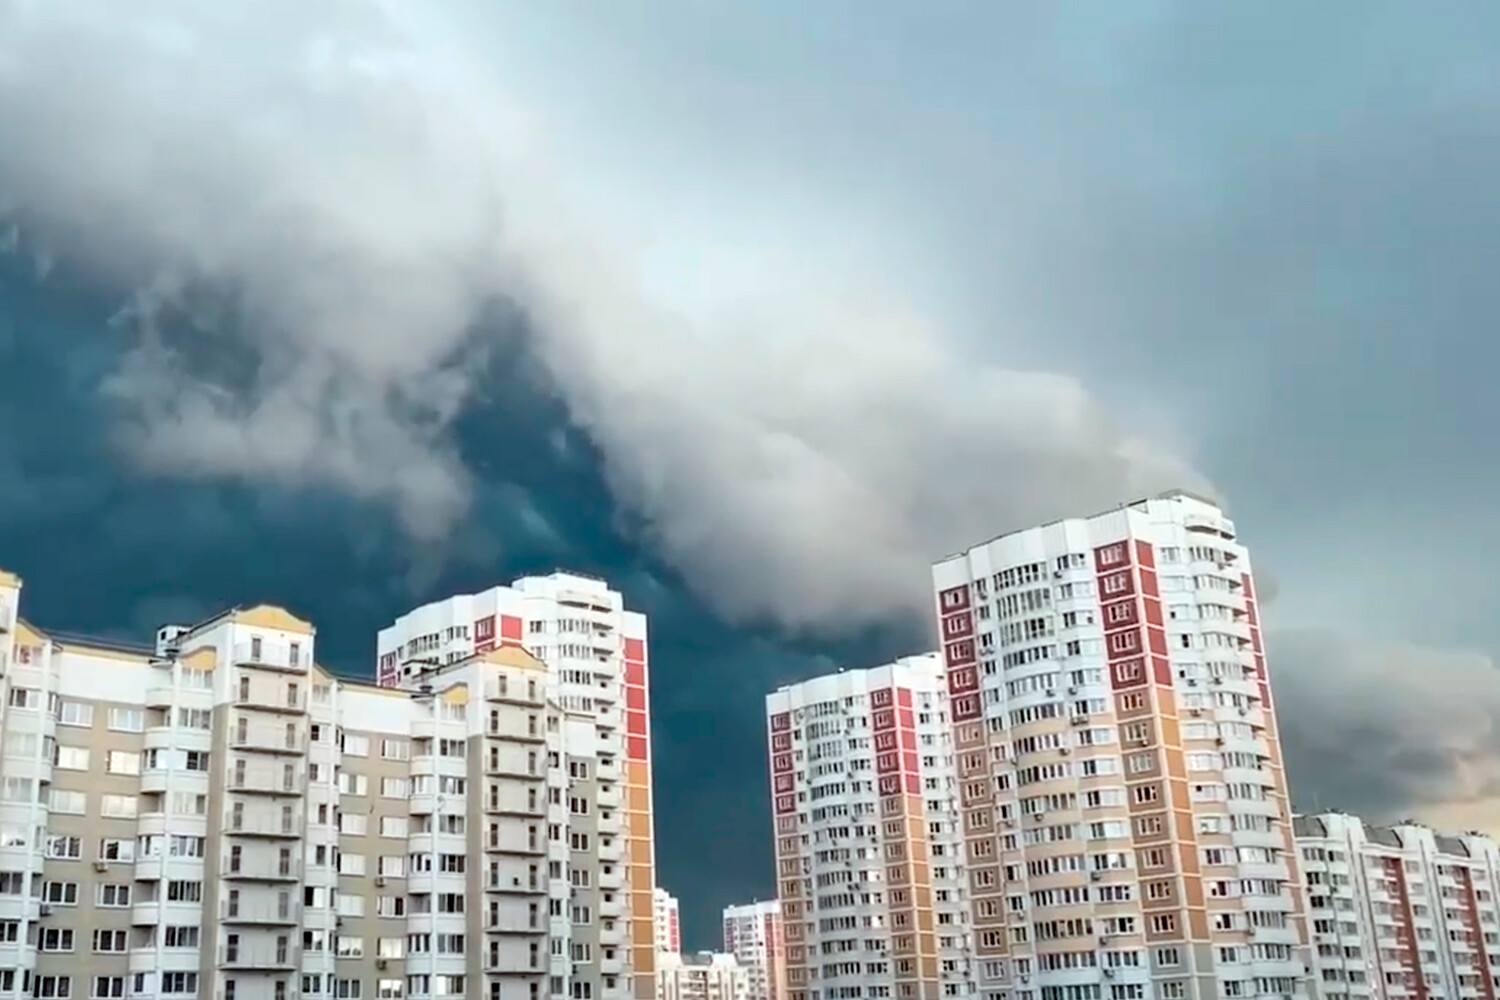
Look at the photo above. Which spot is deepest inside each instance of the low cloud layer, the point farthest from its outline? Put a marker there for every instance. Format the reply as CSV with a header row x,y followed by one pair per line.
x,y
311,215
1389,730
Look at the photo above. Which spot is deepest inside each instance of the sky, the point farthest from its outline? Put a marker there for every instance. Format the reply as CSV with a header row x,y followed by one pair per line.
x,y
755,310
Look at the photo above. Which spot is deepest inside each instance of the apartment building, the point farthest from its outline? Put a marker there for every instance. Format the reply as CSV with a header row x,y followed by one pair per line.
x,y
597,673
705,976
863,795
1125,816
667,917
1399,911
753,935
213,815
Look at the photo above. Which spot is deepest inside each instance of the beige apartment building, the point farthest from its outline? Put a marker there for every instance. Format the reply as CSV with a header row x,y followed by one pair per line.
x,y
216,816
603,942
1126,827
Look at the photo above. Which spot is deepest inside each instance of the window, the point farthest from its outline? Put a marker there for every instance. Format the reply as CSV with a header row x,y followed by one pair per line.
x,y
75,713
394,749
66,848
55,939
60,893
109,941
353,784
71,758
114,896
69,802
22,790
354,824
180,937
122,762
118,806
180,891
111,849
393,826
354,746
52,986
179,982
108,987
394,788
127,720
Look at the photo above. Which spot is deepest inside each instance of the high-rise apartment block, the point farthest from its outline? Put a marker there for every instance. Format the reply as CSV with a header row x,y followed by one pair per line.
x,y
595,652
215,815
1124,810
1400,912
668,923
219,817
863,794
753,935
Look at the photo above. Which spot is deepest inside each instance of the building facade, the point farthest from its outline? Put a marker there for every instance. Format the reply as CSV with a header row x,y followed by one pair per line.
x,y
863,795
598,675
753,935
1400,912
1125,816
706,975
668,922
216,816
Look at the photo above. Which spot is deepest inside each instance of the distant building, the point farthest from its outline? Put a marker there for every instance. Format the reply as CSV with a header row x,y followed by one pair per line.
x,y
707,975
1399,911
667,922
753,935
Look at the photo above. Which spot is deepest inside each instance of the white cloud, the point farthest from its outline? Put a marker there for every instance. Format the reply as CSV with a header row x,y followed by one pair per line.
x,y
1389,730
350,200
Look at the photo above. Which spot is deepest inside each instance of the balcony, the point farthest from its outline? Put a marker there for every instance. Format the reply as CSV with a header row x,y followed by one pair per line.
x,y
513,884
250,871
530,848
264,784
249,959
264,739
517,695
267,914
272,656
261,700
270,828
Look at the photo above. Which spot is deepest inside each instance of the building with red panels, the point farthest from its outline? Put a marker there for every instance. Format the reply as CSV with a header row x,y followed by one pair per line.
x,y
1400,912
1125,816
753,935
601,836
668,916
862,789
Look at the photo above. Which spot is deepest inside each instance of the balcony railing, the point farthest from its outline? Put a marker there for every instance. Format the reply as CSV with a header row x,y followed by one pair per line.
x,y
272,656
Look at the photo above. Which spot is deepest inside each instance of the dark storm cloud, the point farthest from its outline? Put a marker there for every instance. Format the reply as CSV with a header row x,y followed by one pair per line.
x,y
107,550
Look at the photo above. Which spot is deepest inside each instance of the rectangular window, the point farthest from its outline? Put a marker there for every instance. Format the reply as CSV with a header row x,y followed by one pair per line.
x,y
71,758
69,802
118,806
126,720
122,762
75,713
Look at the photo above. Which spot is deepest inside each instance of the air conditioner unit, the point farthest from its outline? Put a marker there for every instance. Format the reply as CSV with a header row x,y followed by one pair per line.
x,y
1064,750
1109,973
1051,692
101,865
1073,690
44,910
380,963
379,881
